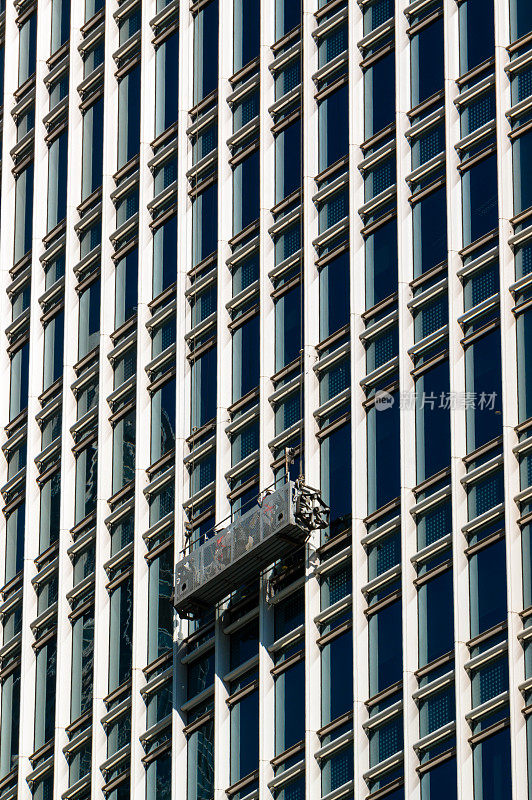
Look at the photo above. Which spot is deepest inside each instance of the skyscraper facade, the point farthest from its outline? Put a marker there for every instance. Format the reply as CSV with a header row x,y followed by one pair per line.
x,y
248,246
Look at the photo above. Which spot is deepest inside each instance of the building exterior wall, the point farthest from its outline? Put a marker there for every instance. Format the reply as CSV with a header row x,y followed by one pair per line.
x,y
240,241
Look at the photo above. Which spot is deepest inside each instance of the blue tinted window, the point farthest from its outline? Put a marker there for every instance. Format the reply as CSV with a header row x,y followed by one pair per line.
x,y
336,478
430,231
479,195
487,578
379,91
205,51
381,263
166,83
427,62
333,127
246,32
436,622
385,648
477,33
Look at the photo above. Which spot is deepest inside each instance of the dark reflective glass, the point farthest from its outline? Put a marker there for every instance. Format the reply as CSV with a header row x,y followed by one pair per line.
x,y
477,33
385,648
427,62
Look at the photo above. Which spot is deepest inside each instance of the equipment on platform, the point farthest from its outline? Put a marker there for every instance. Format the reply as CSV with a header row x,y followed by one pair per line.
x,y
281,521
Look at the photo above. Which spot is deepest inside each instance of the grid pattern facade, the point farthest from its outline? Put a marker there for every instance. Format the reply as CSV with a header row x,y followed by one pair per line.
x,y
240,241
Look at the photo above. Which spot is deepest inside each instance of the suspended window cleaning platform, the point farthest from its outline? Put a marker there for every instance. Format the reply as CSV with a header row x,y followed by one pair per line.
x,y
280,522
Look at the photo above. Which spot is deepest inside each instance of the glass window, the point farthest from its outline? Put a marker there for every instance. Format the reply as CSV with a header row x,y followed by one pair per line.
x,y
336,478
287,16
434,524
524,339
520,18
334,295
203,472
288,327
205,224
384,554
379,178
483,381
10,724
335,379
129,24
288,160
45,674
337,677
477,112
120,633
92,7
165,256
15,525
333,209
492,767
57,180
18,397
337,770
205,51
92,158
385,647
479,197
163,403
49,511
477,33
159,777
430,231
440,782
381,263
246,192
126,287
427,145
53,350
522,157
90,238
288,242
200,766
246,35
86,481
385,740
246,357
245,110
290,707
160,609
166,83
288,412
162,502
27,49
489,681
60,23
129,116
203,403
437,709
23,212
436,624
89,318
383,454
245,736
487,581
333,120
433,432
287,78
245,273
379,94
377,12
427,61
332,44
124,451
